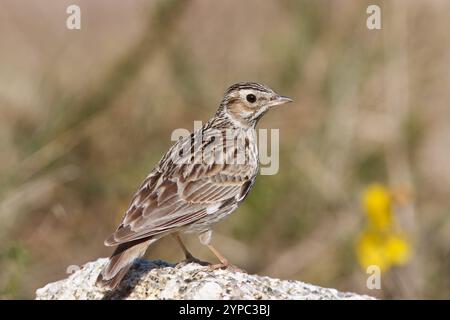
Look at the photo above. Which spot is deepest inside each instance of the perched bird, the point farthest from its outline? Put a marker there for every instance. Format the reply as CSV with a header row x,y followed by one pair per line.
x,y
198,182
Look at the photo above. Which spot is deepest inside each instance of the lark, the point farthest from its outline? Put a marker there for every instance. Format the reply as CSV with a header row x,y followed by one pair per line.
x,y
202,179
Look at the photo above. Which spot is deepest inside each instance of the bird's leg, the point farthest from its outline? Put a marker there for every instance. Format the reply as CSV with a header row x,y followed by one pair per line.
x,y
187,254
205,238
223,261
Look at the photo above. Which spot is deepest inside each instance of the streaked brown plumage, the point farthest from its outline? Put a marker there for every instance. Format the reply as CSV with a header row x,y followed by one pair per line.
x,y
199,181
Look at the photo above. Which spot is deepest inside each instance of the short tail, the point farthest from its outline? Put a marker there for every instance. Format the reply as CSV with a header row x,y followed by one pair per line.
x,y
121,261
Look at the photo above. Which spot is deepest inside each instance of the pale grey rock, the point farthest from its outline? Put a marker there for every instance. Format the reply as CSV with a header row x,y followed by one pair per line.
x,y
161,280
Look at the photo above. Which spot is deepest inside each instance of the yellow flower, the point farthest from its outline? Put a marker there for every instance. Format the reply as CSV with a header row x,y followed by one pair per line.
x,y
382,250
369,251
398,250
380,243
377,204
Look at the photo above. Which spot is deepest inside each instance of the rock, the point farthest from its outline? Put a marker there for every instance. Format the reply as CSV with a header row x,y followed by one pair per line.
x,y
161,280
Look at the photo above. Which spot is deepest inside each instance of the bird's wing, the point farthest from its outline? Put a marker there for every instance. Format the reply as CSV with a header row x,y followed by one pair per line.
x,y
177,194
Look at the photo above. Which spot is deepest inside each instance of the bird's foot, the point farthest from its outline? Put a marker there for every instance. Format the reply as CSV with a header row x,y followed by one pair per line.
x,y
192,259
226,265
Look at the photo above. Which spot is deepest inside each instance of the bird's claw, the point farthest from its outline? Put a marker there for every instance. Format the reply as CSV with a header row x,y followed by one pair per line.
x,y
192,259
227,266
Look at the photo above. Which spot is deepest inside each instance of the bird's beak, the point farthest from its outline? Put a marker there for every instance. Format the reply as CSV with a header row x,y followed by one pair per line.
x,y
279,100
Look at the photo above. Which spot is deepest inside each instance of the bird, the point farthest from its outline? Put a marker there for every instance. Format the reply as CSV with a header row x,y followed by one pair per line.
x,y
202,179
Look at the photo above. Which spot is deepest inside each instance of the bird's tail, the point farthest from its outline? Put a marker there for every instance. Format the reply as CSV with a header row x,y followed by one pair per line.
x,y
120,261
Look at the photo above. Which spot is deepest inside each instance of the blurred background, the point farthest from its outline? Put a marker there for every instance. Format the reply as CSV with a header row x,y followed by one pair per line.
x,y
364,173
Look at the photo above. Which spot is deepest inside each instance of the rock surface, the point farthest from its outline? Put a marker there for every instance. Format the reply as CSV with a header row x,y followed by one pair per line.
x,y
161,280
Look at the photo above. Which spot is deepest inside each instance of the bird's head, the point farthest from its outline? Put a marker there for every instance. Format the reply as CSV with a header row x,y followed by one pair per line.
x,y
245,103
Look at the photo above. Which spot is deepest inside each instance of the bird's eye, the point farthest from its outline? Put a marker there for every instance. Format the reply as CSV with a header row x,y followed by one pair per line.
x,y
251,98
